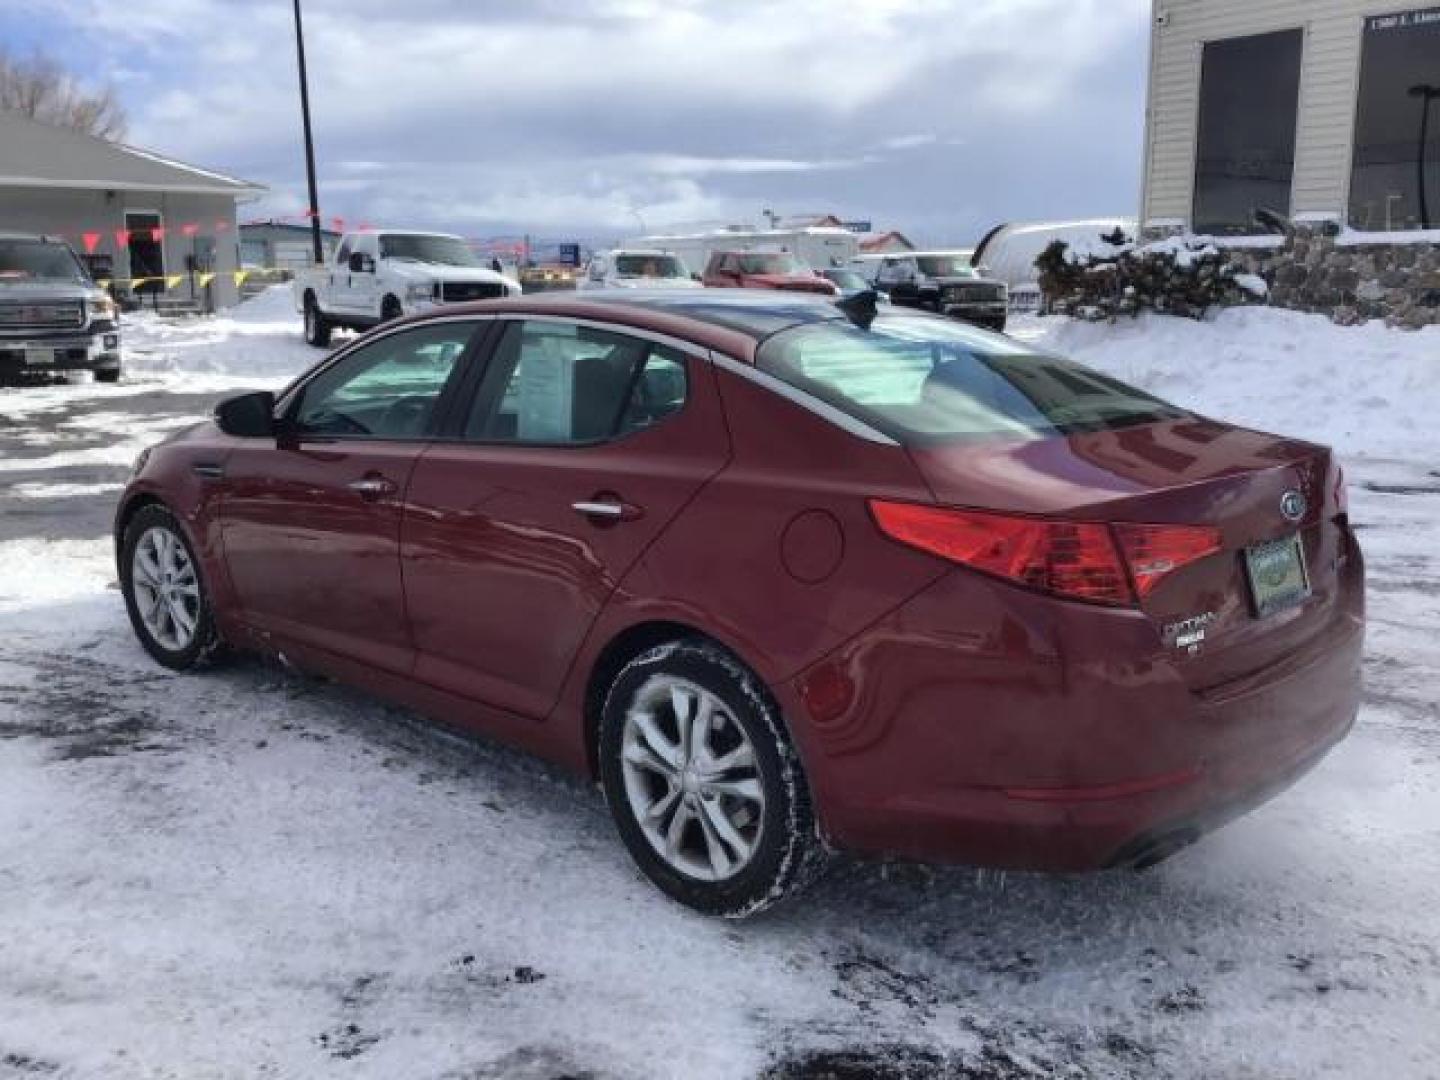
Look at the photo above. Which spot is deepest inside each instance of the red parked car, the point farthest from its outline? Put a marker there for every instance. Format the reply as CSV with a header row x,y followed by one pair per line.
x,y
785,574
764,270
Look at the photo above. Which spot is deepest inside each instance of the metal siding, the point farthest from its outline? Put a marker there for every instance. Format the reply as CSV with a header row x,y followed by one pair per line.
x,y
1329,78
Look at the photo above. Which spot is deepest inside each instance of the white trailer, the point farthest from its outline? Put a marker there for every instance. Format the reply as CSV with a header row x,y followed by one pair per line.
x,y
819,247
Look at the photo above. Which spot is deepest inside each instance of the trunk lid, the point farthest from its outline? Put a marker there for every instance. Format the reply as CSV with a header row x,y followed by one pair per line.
x,y
1183,471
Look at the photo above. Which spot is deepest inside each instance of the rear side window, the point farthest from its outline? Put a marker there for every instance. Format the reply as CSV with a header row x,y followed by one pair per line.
x,y
923,380
561,384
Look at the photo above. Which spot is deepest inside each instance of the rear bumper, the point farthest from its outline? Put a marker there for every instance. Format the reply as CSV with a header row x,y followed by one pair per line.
x,y
1036,746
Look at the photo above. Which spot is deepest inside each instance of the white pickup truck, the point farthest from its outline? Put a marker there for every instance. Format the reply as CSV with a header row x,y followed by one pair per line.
x,y
381,275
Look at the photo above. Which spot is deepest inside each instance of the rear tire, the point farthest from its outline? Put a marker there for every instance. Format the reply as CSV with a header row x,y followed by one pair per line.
x,y
164,590
390,309
110,375
317,326
706,790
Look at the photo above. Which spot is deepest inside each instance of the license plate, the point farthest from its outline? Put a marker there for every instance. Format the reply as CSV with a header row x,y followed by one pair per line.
x,y
39,356
1277,575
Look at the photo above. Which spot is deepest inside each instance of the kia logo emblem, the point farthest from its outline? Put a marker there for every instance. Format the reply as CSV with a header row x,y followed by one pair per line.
x,y
1293,505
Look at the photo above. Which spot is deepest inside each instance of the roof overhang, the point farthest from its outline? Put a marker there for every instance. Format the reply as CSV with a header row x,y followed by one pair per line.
x,y
239,192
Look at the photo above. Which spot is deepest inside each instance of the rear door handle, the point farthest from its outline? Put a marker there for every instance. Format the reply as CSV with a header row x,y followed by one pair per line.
x,y
372,487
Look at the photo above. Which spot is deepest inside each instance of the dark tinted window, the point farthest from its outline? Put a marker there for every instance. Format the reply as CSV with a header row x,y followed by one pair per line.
x,y
945,266
1399,102
388,389
920,380
557,384
650,266
769,263
439,250
1249,96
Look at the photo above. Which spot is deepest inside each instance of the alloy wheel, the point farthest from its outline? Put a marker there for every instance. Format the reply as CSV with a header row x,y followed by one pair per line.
x,y
166,588
691,779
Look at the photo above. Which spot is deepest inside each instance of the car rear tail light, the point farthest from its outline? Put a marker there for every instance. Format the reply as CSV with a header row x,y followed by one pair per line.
x,y
1074,559
1156,551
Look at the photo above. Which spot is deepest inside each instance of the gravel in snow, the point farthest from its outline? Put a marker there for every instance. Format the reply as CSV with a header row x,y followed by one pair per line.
x,y
250,873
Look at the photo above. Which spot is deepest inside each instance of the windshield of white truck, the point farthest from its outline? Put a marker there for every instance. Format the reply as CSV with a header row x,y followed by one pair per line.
x,y
37,260
650,266
440,250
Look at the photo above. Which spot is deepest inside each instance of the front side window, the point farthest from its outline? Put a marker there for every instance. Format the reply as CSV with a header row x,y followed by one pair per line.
x,y
1245,154
924,380
38,260
561,384
388,389
1395,174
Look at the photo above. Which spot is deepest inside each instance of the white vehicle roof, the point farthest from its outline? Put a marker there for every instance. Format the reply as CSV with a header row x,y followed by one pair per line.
x,y
1009,253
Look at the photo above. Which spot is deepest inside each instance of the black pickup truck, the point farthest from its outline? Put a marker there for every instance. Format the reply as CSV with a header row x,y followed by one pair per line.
x,y
53,317
944,282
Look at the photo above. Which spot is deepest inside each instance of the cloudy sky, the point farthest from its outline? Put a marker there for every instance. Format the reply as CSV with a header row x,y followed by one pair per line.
x,y
587,118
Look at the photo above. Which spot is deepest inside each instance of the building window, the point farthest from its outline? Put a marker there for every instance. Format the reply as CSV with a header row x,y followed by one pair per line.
x,y
1395,175
1245,154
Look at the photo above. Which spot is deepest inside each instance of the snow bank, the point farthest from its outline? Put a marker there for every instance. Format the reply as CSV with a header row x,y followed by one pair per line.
x,y
259,339
1364,389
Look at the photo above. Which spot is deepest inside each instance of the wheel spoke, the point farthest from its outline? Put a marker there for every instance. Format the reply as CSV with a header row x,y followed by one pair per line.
x,y
675,833
724,828
146,563
682,703
184,621
720,860
655,739
645,757
662,806
740,789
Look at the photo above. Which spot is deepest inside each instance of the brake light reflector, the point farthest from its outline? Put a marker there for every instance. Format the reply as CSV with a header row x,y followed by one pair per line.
x,y
1074,559
1156,551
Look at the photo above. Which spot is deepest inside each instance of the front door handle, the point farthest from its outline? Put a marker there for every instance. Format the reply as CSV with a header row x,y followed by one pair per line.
x,y
606,508
371,488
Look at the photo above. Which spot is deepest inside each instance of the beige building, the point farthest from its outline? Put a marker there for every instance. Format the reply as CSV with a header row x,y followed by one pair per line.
x,y
1308,109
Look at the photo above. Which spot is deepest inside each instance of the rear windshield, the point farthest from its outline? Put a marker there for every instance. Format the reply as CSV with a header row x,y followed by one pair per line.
x,y
38,260
923,380
650,266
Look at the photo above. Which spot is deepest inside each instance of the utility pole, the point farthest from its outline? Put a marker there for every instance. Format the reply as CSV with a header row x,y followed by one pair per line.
x,y
314,212
1426,93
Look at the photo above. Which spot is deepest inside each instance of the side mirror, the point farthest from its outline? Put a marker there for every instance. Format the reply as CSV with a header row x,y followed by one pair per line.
x,y
247,416
360,263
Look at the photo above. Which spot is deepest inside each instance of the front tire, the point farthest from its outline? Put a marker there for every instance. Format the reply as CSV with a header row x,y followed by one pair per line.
x,y
317,326
108,375
705,787
390,309
165,594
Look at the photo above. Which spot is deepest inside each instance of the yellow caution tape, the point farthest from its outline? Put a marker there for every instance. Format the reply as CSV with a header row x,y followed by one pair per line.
x,y
174,280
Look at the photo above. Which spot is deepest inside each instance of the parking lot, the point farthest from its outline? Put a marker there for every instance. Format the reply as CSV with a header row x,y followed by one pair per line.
x,y
248,872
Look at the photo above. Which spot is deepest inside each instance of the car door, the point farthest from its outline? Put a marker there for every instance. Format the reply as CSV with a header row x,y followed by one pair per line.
x,y
311,521
578,448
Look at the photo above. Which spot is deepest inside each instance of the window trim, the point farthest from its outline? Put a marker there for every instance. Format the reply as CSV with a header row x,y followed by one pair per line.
x,y
293,395
452,427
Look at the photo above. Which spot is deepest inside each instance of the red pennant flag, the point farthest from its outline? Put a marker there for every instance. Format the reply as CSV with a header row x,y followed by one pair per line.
x,y
310,214
122,238
365,226
338,224
189,228
91,240
157,234
221,226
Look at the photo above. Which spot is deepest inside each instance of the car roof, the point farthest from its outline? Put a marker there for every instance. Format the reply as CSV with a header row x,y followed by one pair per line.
x,y
732,321
36,237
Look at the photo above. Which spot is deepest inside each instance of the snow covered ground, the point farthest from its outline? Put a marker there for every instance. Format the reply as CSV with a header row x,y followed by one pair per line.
x,y
248,873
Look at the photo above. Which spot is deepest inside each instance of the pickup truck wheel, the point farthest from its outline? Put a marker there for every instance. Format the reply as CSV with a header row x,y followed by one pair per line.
x,y
110,375
317,327
390,310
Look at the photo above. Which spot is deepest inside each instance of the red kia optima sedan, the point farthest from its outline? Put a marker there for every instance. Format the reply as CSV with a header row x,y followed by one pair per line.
x,y
784,573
